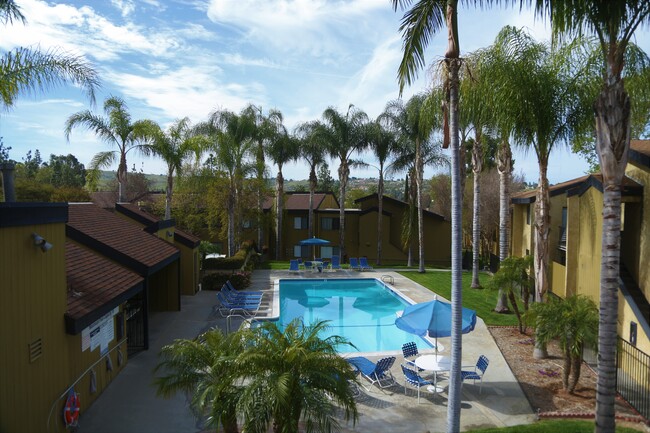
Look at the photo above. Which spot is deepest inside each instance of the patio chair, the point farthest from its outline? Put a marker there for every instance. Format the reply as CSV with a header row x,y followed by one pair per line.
x,y
293,266
233,295
375,373
247,292
477,372
363,263
336,263
308,266
354,264
245,308
410,350
411,377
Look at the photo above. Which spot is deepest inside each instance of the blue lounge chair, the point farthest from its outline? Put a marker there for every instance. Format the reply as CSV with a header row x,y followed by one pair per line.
x,y
477,373
375,373
363,263
336,263
247,292
246,308
412,378
293,266
235,296
354,264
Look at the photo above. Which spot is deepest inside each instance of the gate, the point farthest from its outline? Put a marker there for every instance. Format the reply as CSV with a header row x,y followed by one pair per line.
x,y
633,378
135,335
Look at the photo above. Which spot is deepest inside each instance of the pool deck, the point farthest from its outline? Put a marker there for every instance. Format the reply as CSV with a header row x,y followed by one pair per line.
x,y
130,404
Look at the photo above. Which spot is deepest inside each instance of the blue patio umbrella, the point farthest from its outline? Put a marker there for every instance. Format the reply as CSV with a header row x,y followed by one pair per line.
x,y
433,318
313,242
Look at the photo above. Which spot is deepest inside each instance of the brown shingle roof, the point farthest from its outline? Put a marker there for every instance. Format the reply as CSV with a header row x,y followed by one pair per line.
x,y
104,199
186,238
296,200
558,188
95,286
138,214
118,239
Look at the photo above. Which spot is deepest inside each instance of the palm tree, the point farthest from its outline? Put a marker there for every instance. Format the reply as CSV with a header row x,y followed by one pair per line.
x,y
614,23
117,130
418,26
25,70
311,150
383,142
574,321
414,125
174,147
344,136
513,279
282,149
202,369
231,140
294,375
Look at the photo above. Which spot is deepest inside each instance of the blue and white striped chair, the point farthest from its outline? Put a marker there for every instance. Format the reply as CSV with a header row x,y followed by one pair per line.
x,y
477,373
411,377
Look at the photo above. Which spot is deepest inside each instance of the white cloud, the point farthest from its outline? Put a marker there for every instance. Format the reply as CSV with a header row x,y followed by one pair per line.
x,y
126,7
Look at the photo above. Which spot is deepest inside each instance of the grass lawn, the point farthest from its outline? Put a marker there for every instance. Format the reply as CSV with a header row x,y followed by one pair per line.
x,y
553,426
481,300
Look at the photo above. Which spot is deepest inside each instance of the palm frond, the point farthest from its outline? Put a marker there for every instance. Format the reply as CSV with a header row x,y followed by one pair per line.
x,y
29,71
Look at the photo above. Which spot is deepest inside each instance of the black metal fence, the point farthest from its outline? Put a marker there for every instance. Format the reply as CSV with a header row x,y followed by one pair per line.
x,y
633,376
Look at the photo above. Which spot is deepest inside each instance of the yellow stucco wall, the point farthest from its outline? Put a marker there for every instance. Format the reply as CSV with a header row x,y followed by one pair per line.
x,y
521,239
589,244
642,176
625,316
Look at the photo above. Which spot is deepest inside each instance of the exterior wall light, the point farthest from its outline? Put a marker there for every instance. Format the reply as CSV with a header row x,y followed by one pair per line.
x,y
39,241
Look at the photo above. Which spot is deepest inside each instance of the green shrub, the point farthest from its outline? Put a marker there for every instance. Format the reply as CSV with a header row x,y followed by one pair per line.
x,y
239,280
224,263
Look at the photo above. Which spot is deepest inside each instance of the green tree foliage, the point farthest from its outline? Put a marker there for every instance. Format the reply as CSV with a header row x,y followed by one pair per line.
x,y
262,376
4,152
574,322
66,171
325,180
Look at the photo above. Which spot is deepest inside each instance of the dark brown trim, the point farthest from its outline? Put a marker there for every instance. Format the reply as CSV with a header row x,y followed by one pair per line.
x,y
639,157
15,214
185,241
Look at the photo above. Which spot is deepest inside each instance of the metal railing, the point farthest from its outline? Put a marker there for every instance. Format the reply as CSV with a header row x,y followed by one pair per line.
x,y
633,376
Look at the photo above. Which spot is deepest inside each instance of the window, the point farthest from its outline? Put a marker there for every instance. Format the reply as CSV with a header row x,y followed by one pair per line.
x,y
246,224
528,214
300,223
301,250
329,223
328,252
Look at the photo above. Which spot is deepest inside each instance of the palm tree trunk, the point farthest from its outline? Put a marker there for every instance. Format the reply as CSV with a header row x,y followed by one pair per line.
x,y
576,365
380,215
279,205
231,222
418,191
344,172
260,218
504,166
542,227
612,143
121,179
477,166
312,189
453,410
168,194
566,371
515,307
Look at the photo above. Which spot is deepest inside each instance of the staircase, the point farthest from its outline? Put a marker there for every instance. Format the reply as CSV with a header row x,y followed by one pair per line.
x,y
630,285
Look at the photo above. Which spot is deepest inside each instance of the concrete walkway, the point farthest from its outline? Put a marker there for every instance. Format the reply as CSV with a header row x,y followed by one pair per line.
x,y
131,405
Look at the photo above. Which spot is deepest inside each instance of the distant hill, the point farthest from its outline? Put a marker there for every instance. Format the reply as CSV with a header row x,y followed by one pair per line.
x,y
158,182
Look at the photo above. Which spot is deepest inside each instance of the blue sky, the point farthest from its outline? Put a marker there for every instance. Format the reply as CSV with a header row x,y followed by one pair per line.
x,y
174,58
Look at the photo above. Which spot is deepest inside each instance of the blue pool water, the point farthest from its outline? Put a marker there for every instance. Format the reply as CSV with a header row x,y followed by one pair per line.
x,y
361,310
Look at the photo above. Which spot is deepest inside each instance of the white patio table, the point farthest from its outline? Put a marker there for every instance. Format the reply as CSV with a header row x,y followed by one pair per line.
x,y
435,364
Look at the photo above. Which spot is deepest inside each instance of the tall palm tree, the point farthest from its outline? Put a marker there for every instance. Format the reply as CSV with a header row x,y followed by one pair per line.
x,y
282,148
614,23
118,130
175,146
311,150
344,136
383,141
418,26
232,144
414,124
25,70
294,375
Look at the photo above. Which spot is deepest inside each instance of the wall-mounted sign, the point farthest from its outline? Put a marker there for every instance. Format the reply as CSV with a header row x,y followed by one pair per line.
x,y
100,333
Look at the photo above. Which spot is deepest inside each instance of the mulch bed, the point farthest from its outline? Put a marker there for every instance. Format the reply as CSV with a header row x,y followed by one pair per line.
x,y
541,379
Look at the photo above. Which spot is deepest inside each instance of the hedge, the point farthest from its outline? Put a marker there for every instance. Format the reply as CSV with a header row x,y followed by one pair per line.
x,y
239,280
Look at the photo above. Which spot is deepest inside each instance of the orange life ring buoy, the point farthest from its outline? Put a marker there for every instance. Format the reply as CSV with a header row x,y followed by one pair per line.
x,y
71,409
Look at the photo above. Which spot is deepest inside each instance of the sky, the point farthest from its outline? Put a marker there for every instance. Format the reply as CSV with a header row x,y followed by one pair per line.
x,y
174,58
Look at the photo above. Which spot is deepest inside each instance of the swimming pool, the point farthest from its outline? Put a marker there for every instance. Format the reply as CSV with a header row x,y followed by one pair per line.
x,y
361,310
